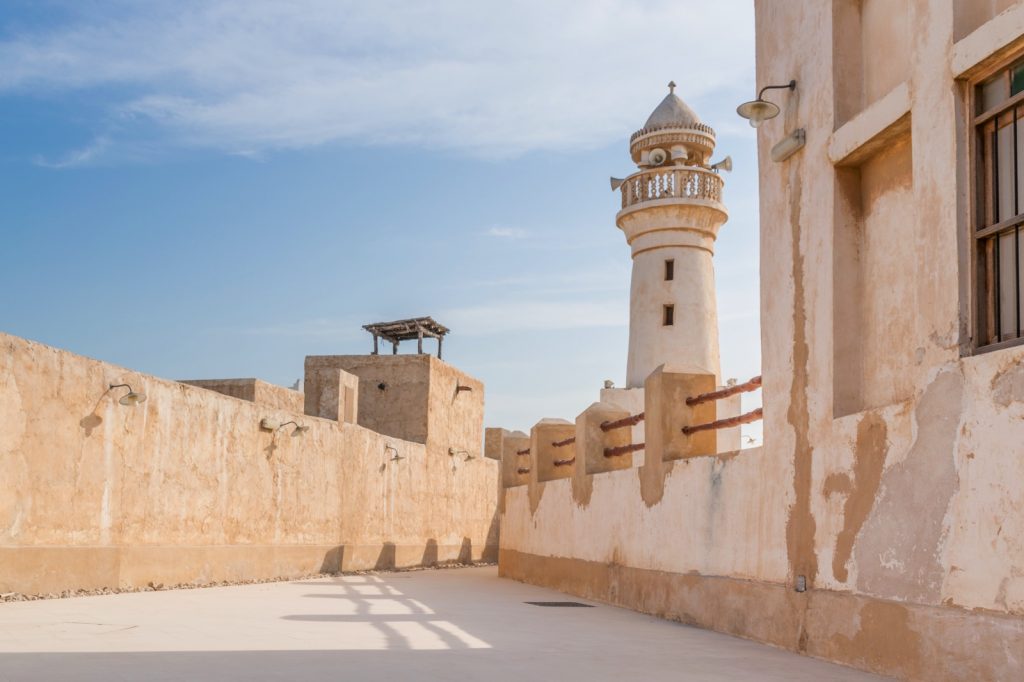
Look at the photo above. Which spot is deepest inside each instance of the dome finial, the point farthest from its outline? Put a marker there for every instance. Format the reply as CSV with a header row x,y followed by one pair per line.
x,y
671,87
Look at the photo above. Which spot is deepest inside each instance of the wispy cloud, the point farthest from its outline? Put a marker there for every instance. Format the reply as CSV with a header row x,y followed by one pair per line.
x,y
609,278
474,319
536,315
345,328
76,157
486,79
506,233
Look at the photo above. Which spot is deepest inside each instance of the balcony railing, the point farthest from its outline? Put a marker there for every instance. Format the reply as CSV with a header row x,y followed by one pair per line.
x,y
671,183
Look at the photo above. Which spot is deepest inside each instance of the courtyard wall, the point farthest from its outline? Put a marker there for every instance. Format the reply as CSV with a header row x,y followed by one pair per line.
x,y
187,488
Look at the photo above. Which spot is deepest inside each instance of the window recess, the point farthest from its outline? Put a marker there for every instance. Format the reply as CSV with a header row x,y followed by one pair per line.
x,y
999,191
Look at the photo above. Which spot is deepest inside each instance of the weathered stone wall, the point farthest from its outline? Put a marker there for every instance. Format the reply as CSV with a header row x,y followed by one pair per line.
x,y
394,390
186,487
455,410
907,495
889,480
254,390
913,557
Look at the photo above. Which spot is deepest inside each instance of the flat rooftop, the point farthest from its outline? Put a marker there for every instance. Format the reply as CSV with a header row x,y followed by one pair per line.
x,y
455,624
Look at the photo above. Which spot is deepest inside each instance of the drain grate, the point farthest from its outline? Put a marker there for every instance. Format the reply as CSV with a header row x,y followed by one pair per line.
x,y
559,603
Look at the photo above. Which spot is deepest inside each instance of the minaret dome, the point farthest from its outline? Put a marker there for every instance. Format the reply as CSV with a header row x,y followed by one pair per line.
x,y
675,128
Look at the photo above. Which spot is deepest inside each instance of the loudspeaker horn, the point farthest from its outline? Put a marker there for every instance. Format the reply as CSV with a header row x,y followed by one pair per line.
x,y
725,164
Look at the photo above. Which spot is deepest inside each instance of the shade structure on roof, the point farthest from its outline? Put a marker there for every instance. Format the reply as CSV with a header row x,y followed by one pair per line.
x,y
405,330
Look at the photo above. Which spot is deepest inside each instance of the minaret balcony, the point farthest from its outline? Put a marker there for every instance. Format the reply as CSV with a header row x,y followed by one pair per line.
x,y
671,184
677,205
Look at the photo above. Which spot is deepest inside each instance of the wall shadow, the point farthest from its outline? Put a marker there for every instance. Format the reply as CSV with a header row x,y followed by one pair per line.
x,y
491,544
405,622
93,419
386,558
429,553
466,551
272,447
333,560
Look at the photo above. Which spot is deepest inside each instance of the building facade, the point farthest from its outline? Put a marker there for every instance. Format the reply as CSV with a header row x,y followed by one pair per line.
x,y
881,524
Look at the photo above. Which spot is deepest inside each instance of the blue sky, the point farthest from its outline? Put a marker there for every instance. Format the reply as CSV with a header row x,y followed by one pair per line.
x,y
219,188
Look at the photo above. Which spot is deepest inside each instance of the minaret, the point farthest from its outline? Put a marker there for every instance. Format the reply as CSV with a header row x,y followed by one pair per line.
x,y
671,212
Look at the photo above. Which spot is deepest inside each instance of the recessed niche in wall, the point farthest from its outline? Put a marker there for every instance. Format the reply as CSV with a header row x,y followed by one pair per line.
x,y
870,52
874,298
971,14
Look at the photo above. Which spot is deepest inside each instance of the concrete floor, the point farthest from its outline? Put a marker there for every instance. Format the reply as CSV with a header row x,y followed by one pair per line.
x,y
458,624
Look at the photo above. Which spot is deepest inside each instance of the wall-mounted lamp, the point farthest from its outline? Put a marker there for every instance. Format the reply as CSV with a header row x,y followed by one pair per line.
x,y
452,452
789,145
758,111
131,398
297,431
269,424
388,447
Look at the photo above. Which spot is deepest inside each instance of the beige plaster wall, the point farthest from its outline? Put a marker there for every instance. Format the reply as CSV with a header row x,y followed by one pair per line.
x,y
875,325
885,49
693,524
969,15
505,446
393,390
416,397
428,401
187,488
331,393
902,514
887,491
455,405
873,51
253,390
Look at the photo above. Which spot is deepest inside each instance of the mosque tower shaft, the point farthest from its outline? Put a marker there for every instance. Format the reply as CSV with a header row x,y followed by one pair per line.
x,y
671,214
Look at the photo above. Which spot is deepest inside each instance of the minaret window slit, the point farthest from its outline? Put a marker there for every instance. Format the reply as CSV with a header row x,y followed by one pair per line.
x,y
668,315
670,270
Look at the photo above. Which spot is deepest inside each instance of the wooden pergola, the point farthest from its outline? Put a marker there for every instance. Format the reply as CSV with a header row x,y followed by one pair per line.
x,y
405,330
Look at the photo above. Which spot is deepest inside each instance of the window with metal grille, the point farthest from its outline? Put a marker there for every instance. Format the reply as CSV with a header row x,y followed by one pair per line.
x,y
999,171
